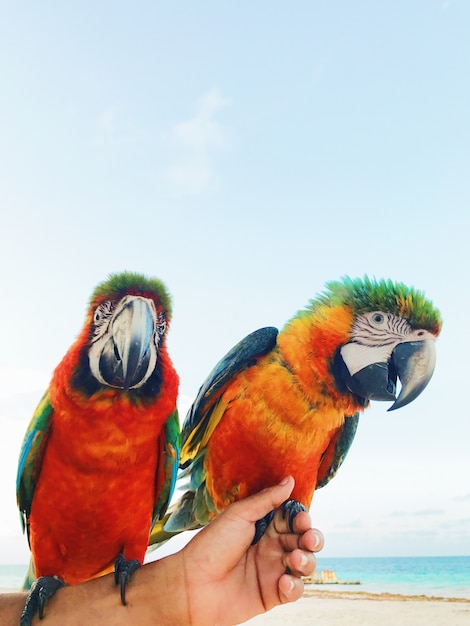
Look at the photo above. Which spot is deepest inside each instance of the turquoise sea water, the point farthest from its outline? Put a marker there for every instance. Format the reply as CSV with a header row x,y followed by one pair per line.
x,y
430,576
447,577
12,577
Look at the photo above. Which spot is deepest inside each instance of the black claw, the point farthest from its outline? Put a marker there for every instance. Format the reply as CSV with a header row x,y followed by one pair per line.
x,y
291,508
41,592
261,525
123,571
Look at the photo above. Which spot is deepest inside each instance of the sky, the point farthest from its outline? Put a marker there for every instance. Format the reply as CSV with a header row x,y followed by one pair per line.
x,y
245,153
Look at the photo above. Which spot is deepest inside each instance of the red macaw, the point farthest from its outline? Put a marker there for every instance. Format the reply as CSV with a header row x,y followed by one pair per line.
x,y
98,463
288,402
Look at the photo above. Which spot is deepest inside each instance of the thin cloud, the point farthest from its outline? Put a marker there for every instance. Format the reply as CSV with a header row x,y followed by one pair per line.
x,y
196,142
463,522
420,513
354,524
108,120
426,512
464,498
115,127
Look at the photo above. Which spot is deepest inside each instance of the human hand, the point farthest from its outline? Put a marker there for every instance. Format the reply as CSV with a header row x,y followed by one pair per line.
x,y
228,580
218,578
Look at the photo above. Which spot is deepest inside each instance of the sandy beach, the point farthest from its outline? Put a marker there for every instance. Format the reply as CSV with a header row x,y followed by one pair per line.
x,y
329,608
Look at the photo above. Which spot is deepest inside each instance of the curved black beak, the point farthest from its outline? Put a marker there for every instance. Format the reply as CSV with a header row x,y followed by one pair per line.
x,y
373,382
414,362
126,358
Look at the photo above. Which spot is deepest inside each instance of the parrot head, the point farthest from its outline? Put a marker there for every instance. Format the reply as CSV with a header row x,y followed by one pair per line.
x,y
391,337
127,318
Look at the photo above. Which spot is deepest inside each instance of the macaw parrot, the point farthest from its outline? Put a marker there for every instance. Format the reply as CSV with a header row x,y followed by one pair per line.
x,y
98,463
288,402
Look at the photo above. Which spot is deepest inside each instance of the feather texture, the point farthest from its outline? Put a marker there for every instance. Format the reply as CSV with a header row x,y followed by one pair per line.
x,y
98,463
286,403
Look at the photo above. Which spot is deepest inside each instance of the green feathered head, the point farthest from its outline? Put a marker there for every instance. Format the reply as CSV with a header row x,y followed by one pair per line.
x,y
130,283
366,294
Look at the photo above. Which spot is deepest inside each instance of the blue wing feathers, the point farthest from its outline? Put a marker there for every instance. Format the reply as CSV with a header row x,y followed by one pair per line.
x,y
240,357
31,455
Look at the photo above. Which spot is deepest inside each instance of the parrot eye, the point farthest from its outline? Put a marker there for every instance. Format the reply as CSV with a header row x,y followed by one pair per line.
x,y
102,313
377,318
161,325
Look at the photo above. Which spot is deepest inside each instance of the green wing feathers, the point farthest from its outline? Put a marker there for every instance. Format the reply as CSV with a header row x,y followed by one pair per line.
x,y
168,464
31,455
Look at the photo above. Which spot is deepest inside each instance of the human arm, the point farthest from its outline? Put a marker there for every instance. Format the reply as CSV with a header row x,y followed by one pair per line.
x,y
218,578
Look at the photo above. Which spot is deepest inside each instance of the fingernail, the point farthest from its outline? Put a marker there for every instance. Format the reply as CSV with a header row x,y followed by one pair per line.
x,y
303,560
318,539
284,481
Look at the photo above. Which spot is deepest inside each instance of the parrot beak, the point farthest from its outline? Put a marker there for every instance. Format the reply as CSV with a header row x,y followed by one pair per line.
x,y
373,382
414,362
129,356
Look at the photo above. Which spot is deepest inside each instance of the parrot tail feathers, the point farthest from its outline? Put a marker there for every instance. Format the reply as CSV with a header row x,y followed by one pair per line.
x,y
158,536
179,517
182,515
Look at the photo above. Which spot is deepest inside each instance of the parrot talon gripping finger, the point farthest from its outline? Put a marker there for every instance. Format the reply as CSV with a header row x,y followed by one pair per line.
x,y
290,509
41,592
123,571
261,525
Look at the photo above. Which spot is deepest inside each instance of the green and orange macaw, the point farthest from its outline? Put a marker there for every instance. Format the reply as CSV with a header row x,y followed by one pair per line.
x,y
99,459
288,402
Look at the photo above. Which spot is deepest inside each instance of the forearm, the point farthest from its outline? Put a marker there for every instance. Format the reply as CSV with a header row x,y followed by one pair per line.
x,y
156,596
219,577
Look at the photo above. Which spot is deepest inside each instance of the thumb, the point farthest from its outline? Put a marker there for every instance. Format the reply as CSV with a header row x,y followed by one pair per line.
x,y
260,504
232,532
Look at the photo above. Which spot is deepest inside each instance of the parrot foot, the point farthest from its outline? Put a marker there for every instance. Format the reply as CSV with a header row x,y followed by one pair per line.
x,y
261,525
290,509
41,592
123,571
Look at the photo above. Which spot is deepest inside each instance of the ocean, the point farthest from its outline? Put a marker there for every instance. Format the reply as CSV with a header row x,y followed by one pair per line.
x,y
12,577
441,576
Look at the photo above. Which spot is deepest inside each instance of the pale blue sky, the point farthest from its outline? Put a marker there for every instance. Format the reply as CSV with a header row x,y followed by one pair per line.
x,y
245,153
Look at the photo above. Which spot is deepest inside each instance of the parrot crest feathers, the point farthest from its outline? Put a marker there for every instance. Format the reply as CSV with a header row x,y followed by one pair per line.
x,y
366,294
131,283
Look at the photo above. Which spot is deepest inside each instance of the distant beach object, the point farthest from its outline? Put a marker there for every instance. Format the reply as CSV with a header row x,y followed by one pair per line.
x,y
327,577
